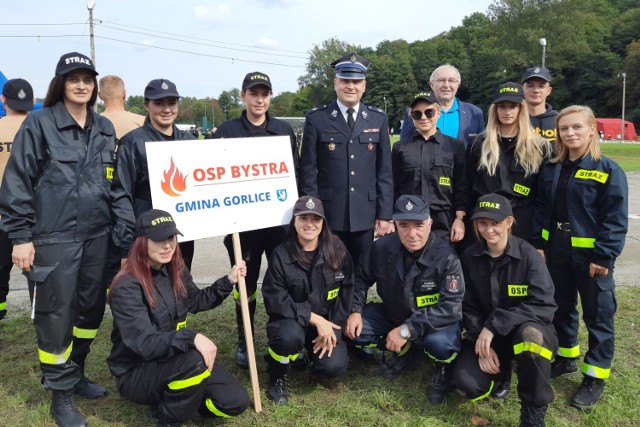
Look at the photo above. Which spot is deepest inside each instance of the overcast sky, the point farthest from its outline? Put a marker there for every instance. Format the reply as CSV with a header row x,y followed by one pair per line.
x,y
227,39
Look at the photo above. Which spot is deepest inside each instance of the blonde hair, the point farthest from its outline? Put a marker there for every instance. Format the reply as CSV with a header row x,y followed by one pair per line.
x,y
531,149
474,224
593,147
111,87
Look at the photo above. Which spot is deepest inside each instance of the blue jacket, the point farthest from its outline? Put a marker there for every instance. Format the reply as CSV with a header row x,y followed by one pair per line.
x,y
471,123
350,171
597,201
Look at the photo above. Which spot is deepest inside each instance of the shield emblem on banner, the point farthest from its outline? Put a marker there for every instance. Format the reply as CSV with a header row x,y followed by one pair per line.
x,y
282,194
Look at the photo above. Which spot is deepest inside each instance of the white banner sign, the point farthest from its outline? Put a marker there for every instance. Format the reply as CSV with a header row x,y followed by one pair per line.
x,y
219,186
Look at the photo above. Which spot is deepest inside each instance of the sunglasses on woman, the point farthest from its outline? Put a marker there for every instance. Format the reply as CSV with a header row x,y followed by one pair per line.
x,y
429,112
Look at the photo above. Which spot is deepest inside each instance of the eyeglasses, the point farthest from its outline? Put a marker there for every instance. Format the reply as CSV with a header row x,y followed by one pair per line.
x,y
429,112
450,81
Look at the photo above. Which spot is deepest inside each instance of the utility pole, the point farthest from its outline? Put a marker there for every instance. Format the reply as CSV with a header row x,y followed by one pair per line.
x,y
624,87
90,5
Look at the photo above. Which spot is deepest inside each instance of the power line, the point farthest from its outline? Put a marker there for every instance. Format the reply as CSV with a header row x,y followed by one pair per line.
x,y
191,41
155,47
41,25
205,39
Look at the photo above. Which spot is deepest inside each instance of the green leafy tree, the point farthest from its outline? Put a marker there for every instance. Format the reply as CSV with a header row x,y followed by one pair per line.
x,y
135,104
231,103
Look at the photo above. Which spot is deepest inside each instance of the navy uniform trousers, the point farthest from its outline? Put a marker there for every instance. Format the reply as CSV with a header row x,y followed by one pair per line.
x,y
597,295
287,338
441,346
532,345
66,282
182,387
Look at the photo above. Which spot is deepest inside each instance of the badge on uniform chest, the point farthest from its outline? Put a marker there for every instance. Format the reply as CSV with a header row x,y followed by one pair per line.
x,y
371,147
331,146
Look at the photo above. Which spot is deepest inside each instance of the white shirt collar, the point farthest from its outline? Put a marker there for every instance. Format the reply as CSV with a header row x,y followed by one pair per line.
x,y
343,109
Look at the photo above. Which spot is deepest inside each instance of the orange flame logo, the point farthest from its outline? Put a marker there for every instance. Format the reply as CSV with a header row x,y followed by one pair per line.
x,y
173,181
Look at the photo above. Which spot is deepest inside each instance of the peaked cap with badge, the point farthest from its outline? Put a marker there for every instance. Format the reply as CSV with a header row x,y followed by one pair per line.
x,y
351,67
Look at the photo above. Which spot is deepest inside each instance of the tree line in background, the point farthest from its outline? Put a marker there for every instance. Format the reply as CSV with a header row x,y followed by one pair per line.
x,y
590,43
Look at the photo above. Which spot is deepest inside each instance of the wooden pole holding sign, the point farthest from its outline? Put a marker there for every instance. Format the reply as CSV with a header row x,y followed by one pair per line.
x,y
246,321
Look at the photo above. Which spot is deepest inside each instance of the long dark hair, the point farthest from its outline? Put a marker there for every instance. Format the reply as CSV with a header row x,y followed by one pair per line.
x,y
329,246
55,93
138,266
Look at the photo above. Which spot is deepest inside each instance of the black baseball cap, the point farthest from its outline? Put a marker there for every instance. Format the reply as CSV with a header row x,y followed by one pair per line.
x,y
74,61
157,225
411,207
308,205
424,96
492,206
18,94
539,72
254,79
351,66
509,92
161,88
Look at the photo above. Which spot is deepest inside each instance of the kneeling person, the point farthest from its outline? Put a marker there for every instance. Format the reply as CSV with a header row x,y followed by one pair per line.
x,y
155,358
507,313
307,290
419,279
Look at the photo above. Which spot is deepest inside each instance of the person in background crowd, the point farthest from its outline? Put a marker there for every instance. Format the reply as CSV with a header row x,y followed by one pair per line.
x,y
419,279
307,292
346,160
130,191
114,96
536,82
460,120
156,359
507,157
54,203
507,314
255,121
580,223
433,166
17,100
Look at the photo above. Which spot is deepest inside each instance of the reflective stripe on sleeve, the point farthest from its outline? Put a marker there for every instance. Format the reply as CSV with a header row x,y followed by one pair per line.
x,y
545,234
583,242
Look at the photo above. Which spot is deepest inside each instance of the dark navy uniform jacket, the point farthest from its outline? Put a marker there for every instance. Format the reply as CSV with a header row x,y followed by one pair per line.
x,y
143,334
349,171
428,297
130,192
56,184
292,291
597,203
506,292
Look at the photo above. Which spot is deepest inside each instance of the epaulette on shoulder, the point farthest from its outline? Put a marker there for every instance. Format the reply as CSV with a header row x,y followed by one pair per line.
x,y
317,108
376,109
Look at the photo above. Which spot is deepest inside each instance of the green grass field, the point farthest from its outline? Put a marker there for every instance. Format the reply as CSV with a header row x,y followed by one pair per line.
x,y
362,398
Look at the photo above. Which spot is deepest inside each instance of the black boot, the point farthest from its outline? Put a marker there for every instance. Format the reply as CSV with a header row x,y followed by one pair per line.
x,y
563,366
503,386
278,382
64,411
242,358
532,415
399,362
588,393
85,388
439,383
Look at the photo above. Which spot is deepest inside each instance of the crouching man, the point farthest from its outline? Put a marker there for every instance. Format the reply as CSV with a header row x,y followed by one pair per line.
x,y
420,282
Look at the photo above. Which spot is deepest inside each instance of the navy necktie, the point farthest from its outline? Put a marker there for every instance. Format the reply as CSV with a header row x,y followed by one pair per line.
x,y
350,120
